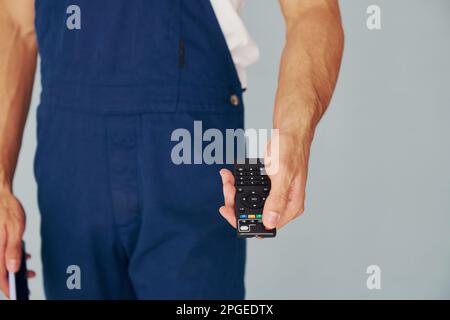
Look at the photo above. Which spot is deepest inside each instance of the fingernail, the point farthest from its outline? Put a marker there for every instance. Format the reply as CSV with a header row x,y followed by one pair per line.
x,y
12,265
272,219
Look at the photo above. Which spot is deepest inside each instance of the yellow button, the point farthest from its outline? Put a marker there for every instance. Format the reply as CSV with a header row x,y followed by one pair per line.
x,y
234,100
251,216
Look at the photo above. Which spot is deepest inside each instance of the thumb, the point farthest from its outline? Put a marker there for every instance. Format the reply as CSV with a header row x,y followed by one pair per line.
x,y
278,198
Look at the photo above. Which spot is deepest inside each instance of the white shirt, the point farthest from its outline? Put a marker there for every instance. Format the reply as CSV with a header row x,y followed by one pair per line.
x,y
242,47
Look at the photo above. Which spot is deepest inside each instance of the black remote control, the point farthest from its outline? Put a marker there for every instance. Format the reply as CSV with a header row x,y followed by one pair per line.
x,y
252,189
23,292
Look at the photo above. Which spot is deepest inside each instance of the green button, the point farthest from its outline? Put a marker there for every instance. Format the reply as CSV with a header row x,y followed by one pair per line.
x,y
259,216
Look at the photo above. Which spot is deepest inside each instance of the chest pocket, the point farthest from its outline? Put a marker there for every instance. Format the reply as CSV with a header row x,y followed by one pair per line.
x,y
100,35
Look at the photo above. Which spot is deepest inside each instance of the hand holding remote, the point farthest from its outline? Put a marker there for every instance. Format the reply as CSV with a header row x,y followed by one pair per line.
x,y
285,201
12,225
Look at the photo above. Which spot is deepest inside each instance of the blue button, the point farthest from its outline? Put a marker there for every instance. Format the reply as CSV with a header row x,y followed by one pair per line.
x,y
243,216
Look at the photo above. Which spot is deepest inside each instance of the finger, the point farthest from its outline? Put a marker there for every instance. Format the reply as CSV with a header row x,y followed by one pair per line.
x,y
229,193
228,214
31,274
13,253
278,197
295,205
229,190
3,273
227,176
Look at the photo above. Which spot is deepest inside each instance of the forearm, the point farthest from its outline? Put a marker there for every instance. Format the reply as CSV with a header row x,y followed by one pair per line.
x,y
17,67
309,68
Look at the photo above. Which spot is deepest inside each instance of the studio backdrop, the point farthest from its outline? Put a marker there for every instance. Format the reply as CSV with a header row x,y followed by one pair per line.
x,y
377,217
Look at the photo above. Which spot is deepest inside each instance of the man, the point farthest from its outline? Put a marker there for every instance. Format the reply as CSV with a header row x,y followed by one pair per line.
x,y
118,78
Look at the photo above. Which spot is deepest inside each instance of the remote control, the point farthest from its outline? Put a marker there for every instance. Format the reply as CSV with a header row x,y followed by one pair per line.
x,y
252,189
18,282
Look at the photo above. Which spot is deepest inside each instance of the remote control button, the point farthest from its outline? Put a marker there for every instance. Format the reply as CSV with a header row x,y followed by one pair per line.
x,y
241,209
266,189
259,216
243,228
251,216
254,199
243,216
240,190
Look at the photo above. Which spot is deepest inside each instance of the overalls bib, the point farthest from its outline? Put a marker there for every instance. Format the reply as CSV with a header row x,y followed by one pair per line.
x,y
115,209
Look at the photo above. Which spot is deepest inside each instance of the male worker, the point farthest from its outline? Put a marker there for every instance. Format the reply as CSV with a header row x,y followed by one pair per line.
x,y
118,77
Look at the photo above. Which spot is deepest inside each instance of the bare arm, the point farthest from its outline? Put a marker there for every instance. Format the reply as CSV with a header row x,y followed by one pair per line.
x,y
18,53
310,63
309,70
308,73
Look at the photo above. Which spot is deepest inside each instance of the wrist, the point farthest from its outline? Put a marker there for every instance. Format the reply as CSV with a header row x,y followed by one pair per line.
x,y
5,188
5,183
301,131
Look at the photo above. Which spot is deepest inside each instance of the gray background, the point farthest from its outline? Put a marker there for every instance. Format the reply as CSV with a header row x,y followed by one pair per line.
x,y
379,183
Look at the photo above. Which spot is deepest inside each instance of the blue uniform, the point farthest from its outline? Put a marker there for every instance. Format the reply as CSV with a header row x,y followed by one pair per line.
x,y
112,201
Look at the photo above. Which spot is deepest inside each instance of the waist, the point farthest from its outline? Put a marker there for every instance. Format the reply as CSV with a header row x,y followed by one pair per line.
x,y
140,98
